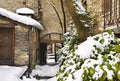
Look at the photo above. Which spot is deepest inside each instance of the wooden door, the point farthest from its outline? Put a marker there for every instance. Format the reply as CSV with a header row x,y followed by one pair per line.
x,y
6,46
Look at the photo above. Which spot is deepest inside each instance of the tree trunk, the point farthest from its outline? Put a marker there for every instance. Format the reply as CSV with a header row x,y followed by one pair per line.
x,y
81,29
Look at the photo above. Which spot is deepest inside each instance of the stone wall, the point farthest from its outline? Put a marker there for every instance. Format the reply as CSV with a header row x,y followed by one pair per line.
x,y
95,8
13,5
50,19
21,53
50,23
22,48
21,45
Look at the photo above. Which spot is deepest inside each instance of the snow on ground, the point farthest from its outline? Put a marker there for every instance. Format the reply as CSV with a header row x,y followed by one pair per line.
x,y
33,79
12,73
45,70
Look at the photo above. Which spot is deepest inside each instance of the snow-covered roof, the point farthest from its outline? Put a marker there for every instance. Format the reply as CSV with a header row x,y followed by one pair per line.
x,y
25,11
21,19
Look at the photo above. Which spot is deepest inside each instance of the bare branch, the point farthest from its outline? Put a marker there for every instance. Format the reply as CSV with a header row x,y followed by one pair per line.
x,y
64,16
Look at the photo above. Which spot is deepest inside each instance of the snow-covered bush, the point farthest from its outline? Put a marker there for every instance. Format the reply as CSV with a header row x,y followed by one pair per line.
x,y
71,41
96,59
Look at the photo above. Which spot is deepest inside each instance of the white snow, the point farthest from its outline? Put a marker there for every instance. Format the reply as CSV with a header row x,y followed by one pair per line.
x,y
91,62
33,79
86,48
78,75
98,73
10,73
29,79
109,72
45,70
19,18
25,11
53,79
119,72
85,51
111,27
79,7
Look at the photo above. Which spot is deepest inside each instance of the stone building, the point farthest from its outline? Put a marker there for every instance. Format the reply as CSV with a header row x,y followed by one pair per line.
x,y
29,42
106,14
19,33
52,20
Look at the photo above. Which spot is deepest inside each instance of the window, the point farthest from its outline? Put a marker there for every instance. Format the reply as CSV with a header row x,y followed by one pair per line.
x,y
111,11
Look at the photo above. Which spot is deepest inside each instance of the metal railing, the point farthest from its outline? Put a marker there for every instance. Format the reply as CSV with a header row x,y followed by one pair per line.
x,y
111,9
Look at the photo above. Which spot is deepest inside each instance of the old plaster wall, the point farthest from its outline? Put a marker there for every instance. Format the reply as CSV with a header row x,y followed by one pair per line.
x,y
50,19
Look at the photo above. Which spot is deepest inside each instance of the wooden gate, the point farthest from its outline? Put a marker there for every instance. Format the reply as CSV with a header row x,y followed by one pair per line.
x,y
6,46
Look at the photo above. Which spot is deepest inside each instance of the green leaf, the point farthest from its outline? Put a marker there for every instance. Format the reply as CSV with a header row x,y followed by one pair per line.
x,y
105,57
109,31
102,41
109,66
96,38
117,55
109,57
91,71
71,63
99,50
60,79
73,77
103,77
117,48
118,75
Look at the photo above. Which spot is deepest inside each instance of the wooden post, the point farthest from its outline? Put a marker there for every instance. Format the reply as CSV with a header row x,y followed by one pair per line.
x,y
33,47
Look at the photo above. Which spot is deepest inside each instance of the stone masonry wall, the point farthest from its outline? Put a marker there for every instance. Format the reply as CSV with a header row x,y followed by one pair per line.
x,y
13,5
21,56
95,7
21,46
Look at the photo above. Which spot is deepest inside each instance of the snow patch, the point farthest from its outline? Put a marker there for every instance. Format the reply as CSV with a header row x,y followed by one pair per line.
x,y
45,70
85,49
19,18
25,11
10,73
79,7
